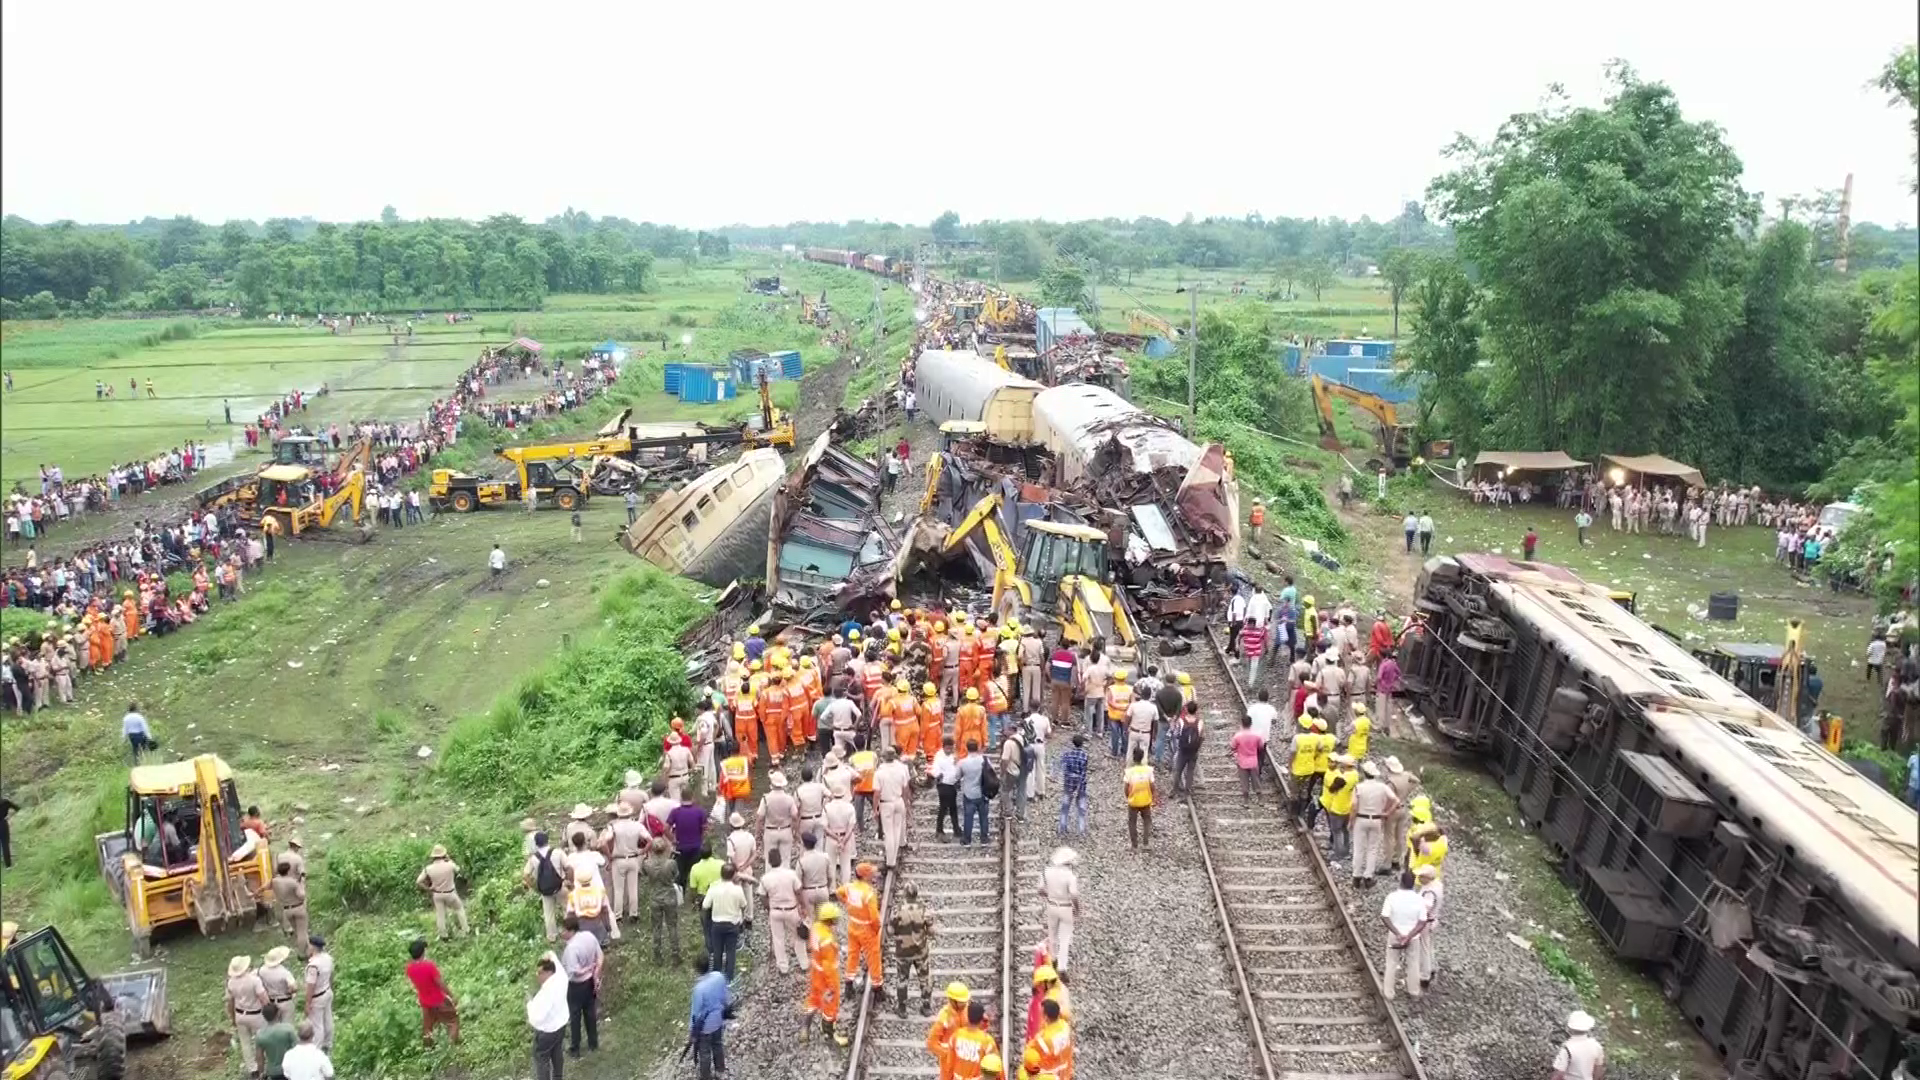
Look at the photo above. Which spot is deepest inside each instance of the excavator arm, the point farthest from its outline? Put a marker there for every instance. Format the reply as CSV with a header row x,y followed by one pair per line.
x,y
351,495
1006,563
1394,437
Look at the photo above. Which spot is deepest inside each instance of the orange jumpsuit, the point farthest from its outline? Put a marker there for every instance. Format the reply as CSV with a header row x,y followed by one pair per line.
x,y
810,680
970,722
949,1020
823,974
881,701
871,682
969,662
773,717
933,724
970,1047
100,645
862,904
1055,1043
799,714
746,730
906,728
130,611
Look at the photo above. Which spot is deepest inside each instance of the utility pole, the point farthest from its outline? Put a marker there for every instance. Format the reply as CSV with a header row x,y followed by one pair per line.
x,y
1193,356
1093,286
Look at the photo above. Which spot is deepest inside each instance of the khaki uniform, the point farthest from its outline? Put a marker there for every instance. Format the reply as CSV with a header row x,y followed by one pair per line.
x,y
296,864
549,905
319,983
782,888
890,783
290,907
439,880
779,818
678,761
841,823
1404,785
816,877
1373,801
812,799
280,989
628,839
1060,889
1333,695
577,829
741,851
246,995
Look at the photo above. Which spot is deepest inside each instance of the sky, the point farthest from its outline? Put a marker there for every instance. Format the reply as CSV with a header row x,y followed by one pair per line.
x,y
703,114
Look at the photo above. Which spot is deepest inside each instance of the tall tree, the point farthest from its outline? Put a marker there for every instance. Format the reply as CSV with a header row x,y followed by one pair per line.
x,y
1901,80
1596,233
1317,276
946,227
1400,267
1445,345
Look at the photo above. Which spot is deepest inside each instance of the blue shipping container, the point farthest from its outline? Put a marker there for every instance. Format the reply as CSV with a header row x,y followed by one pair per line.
x,y
1293,358
672,385
788,364
1357,347
704,385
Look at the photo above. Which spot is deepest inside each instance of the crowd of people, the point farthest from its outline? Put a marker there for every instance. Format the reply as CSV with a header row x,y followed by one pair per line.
x,y
32,516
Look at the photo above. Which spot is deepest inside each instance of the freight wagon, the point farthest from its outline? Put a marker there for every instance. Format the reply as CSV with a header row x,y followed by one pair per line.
x,y
1771,886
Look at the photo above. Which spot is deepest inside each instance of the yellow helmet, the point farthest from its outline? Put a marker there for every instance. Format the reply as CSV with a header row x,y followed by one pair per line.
x,y
893,634
957,991
756,666
1420,809
929,689
739,650
1013,625
1185,679
1045,973
829,911
853,635
1308,601
1030,1060
754,630
895,605
966,629
973,693
1120,676
991,1065
939,626
900,684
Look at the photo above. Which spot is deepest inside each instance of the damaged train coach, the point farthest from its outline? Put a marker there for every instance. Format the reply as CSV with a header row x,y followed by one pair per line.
x,y
1775,889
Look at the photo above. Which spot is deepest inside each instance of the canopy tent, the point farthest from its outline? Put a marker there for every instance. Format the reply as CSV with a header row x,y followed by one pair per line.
x,y
1650,466
527,343
1511,461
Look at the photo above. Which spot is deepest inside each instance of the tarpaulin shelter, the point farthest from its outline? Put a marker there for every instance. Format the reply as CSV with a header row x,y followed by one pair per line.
x,y
527,343
1492,463
1645,468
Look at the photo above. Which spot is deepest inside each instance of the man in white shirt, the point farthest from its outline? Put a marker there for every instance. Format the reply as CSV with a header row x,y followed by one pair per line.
x,y
307,1061
497,562
1259,607
946,781
1263,714
1581,1057
547,1015
1041,725
1404,914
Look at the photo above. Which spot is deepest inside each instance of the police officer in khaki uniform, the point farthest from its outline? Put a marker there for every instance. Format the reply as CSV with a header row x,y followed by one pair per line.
x,y
741,851
278,980
1405,785
778,819
816,873
1060,890
579,823
1373,803
626,840
319,988
290,903
783,891
440,880
245,995
296,857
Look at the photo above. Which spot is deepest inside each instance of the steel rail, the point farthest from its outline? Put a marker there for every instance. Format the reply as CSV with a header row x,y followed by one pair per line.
x,y
1327,883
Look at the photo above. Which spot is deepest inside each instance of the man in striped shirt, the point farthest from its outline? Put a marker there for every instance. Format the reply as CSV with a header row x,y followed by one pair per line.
x,y
1073,784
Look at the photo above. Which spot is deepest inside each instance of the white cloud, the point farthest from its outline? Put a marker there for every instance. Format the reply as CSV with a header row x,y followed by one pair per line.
x,y
704,114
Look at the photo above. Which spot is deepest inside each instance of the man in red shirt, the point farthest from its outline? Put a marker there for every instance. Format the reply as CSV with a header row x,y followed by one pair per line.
x,y
437,1006
1528,543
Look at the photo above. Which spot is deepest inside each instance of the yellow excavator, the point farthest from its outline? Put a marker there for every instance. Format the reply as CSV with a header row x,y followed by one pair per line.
x,y
1061,571
183,856
294,495
1394,438
1147,324
58,1021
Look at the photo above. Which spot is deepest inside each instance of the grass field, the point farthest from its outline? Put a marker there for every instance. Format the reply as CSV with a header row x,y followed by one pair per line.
x,y
1350,307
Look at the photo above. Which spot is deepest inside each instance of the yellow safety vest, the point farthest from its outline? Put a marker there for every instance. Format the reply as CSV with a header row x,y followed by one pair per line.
x,y
587,900
1323,745
1303,748
1139,781
1119,696
1339,802
1357,742
1436,855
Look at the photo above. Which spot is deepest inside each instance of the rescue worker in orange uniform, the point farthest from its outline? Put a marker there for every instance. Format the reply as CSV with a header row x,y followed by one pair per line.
x,y
969,657
799,710
873,676
99,643
1055,1041
881,702
973,1044
864,763
823,974
746,722
904,719
862,904
933,719
969,722
736,784
946,1024
773,714
130,611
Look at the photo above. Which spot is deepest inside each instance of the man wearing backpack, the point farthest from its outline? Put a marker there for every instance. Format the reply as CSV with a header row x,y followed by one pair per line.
x,y
1186,764
545,873
1014,761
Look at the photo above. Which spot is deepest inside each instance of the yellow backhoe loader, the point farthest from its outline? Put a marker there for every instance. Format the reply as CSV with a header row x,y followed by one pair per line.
x,y
183,856
59,1022
296,496
1395,439
1060,572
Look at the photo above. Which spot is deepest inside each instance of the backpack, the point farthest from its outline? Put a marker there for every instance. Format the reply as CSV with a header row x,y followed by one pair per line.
x,y
989,781
546,879
1189,738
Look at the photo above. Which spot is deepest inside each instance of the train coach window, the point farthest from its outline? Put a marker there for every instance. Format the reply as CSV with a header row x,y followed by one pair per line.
x,y
723,490
1688,691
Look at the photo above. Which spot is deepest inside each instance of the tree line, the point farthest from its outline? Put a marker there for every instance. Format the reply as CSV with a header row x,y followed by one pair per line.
x,y
1614,288
182,264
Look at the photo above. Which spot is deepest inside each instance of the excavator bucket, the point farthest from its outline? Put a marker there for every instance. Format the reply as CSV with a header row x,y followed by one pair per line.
x,y
141,999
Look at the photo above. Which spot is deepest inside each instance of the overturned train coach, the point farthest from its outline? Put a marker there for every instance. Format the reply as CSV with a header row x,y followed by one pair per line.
x,y
1771,886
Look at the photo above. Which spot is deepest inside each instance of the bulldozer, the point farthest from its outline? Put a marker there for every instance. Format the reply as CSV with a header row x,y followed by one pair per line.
x,y
1059,573
58,1022
183,856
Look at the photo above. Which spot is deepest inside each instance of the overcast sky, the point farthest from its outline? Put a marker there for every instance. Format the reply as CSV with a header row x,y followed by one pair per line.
x,y
700,113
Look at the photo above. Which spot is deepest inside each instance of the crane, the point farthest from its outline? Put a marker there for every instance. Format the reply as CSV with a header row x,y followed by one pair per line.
x,y
1395,438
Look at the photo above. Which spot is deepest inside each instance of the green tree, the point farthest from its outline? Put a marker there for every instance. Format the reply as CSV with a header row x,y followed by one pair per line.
x,y
1317,276
1063,284
1901,80
636,271
1445,345
389,216
1597,234
1400,267
946,227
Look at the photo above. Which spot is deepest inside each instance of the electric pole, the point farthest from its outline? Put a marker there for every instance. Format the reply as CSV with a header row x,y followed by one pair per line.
x,y
1193,355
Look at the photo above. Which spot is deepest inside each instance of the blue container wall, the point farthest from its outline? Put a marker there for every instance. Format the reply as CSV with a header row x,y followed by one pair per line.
x,y
674,371
1052,324
789,363
1293,358
700,385
1373,350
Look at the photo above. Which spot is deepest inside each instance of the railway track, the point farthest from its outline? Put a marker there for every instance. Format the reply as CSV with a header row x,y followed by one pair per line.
x,y
1306,984
970,893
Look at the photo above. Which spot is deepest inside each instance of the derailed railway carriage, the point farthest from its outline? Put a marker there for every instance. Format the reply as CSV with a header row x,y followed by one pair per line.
x,y
1771,886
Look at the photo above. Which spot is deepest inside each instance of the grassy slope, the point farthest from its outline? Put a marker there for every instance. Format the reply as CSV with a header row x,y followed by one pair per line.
x,y
1346,308
395,641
